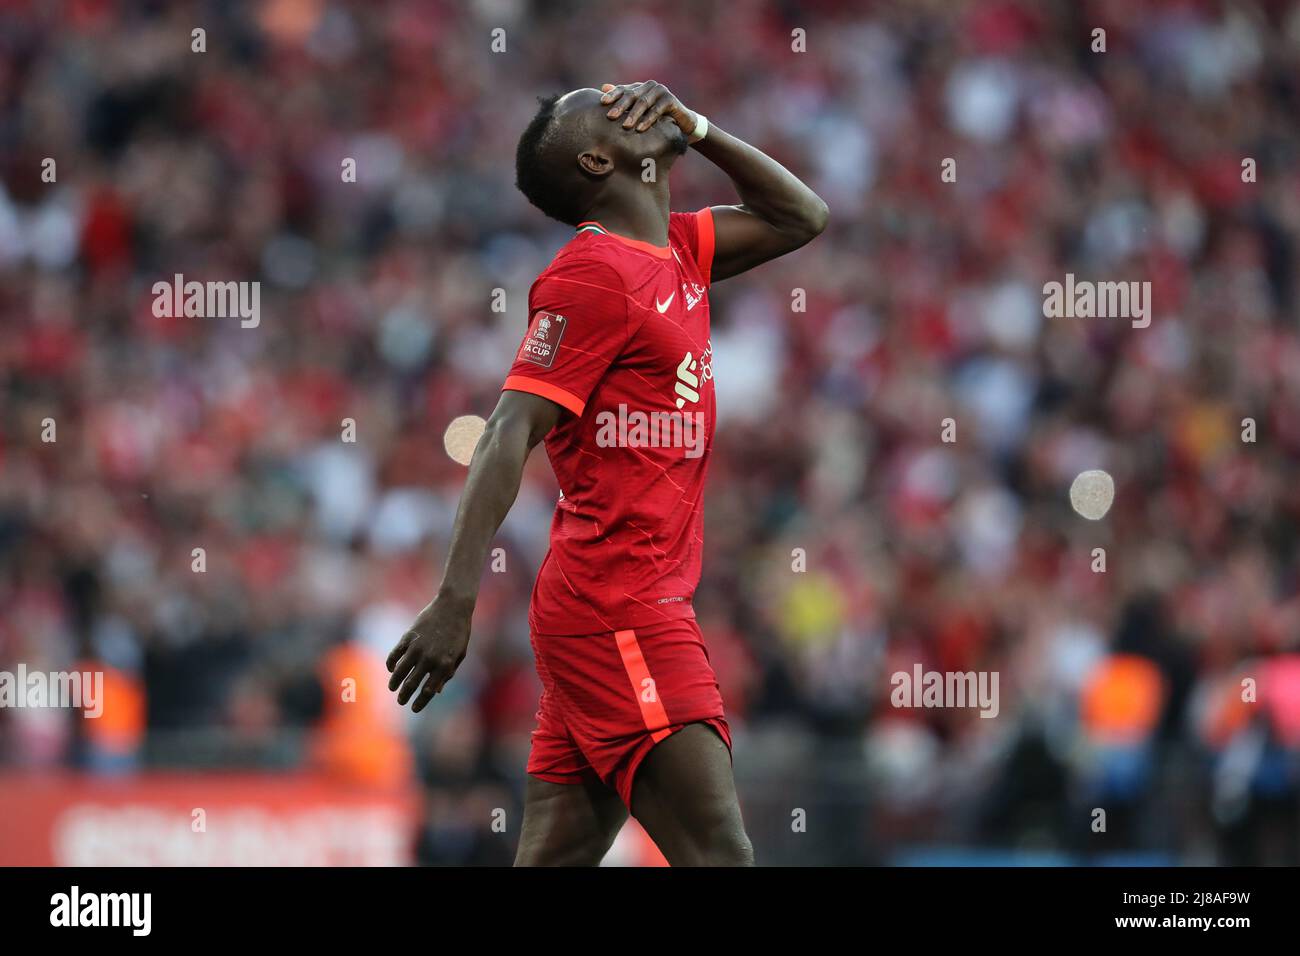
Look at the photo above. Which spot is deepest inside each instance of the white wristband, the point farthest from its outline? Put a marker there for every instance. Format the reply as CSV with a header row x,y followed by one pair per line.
x,y
701,129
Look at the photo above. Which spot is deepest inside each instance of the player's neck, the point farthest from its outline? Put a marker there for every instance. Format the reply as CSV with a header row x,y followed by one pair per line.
x,y
640,212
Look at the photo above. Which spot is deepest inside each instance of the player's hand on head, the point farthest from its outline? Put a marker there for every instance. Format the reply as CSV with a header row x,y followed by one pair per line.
x,y
428,654
641,105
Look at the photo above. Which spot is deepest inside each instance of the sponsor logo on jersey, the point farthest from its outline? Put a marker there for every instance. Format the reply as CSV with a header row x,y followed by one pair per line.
x,y
692,295
691,371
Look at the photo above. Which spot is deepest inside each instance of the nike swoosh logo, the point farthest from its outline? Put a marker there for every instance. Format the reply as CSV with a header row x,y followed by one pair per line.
x,y
663,306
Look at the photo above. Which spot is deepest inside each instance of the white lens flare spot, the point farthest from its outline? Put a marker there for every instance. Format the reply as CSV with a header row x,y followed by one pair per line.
x,y
1091,494
461,437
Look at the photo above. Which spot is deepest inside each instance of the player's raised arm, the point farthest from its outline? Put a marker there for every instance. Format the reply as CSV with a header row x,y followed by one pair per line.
x,y
777,214
428,654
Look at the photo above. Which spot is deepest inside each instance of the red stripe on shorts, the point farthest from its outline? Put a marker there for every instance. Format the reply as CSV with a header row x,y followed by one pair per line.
x,y
652,711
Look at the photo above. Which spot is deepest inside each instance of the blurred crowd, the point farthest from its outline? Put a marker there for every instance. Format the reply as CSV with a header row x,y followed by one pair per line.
x,y
1157,678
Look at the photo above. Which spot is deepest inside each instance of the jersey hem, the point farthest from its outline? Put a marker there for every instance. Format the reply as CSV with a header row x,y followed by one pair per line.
x,y
683,612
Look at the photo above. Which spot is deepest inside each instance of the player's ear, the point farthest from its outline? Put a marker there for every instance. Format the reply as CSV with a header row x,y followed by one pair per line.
x,y
595,162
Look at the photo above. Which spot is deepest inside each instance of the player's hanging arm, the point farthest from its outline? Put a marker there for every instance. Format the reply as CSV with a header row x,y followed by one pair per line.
x,y
777,214
430,651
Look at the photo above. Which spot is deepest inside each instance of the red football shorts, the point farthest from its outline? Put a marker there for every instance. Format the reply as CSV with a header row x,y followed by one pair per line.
x,y
608,698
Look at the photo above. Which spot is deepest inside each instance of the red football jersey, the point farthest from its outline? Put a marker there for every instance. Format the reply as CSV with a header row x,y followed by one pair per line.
x,y
618,334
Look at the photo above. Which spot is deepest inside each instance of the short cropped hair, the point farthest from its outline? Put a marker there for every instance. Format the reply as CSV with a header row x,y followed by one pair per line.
x,y
537,174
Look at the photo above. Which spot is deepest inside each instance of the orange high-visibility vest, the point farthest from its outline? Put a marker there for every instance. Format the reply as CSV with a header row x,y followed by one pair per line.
x,y
360,736
1122,699
120,727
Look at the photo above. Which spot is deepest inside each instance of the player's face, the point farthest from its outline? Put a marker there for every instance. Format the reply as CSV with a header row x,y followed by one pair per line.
x,y
663,139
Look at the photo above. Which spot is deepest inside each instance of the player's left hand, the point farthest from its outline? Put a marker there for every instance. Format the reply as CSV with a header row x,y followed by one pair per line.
x,y
643,104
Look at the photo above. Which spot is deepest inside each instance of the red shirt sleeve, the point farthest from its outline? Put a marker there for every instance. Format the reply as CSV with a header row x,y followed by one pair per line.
x,y
696,230
578,325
